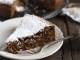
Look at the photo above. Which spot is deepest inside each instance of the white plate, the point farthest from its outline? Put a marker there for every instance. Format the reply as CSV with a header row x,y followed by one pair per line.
x,y
73,11
7,27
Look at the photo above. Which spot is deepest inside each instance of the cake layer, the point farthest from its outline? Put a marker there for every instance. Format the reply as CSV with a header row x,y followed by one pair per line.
x,y
39,39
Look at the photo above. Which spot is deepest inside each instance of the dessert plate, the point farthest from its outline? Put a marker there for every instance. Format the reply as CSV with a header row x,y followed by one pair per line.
x,y
7,27
73,11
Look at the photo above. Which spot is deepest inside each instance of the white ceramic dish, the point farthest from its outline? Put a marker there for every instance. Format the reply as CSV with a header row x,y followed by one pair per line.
x,y
73,11
7,27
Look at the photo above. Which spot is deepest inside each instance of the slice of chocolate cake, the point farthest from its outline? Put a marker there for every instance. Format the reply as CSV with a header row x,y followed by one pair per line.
x,y
32,33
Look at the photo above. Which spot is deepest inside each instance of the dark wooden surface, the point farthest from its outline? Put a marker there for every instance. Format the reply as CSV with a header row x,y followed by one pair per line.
x,y
71,48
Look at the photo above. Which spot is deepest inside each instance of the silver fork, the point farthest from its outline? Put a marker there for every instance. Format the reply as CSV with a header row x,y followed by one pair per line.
x,y
75,36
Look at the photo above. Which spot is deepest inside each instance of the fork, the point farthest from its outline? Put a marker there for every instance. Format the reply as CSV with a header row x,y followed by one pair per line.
x,y
75,36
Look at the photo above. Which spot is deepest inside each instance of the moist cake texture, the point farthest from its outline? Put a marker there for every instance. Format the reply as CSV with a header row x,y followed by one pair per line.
x,y
38,32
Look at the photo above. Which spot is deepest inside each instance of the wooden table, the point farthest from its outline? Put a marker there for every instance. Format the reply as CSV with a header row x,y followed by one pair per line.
x,y
71,48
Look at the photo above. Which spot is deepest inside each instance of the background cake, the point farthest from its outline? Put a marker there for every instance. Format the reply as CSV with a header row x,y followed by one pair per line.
x,y
8,8
11,8
43,7
33,32
48,4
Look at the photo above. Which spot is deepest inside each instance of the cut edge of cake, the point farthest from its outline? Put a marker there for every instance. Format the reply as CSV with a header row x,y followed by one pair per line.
x,y
44,32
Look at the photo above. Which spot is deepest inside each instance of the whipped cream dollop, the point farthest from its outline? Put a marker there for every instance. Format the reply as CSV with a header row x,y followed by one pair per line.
x,y
20,8
30,25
